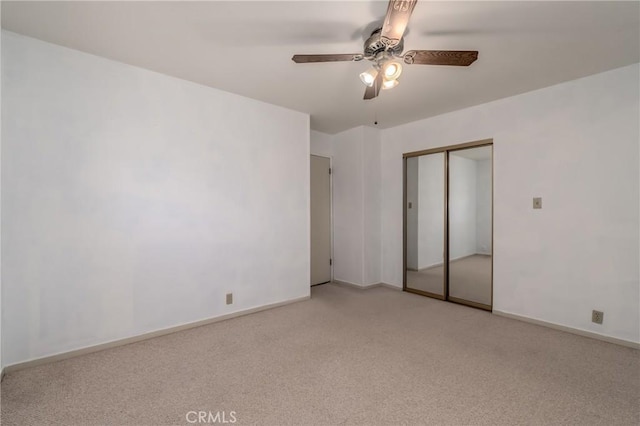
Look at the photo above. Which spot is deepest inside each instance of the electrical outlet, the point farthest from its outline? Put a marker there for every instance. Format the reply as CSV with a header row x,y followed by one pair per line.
x,y
229,298
537,203
597,317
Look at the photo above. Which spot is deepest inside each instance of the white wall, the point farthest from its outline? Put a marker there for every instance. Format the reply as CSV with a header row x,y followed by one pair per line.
x,y
356,206
575,145
133,201
462,207
483,207
321,144
348,208
372,241
431,210
1,358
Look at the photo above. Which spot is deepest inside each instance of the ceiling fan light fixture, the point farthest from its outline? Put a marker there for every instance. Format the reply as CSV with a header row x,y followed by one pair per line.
x,y
389,84
384,47
369,76
392,70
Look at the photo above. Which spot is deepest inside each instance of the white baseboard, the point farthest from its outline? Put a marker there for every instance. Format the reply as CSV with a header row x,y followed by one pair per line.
x,y
390,286
554,326
450,260
365,287
128,340
571,330
353,285
423,268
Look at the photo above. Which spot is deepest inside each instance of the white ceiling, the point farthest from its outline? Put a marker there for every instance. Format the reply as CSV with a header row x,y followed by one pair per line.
x,y
246,47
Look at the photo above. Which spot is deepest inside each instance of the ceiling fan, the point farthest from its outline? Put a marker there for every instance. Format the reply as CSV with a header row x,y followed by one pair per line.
x,y
384,49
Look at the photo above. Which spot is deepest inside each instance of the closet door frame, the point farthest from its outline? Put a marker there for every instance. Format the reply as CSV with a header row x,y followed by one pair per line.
x,y
445,150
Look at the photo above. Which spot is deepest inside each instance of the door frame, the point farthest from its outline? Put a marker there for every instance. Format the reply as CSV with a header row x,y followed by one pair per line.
x,y
330,214
445,150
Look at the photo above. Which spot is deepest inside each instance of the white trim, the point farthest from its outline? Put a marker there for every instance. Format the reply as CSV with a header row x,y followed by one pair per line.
x,y
579,332
424,268
450,260
349,284
121,342
390,286
365,287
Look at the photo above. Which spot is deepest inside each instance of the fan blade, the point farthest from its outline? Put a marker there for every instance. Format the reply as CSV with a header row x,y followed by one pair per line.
x,y
373,90
398,14
462,58
303,59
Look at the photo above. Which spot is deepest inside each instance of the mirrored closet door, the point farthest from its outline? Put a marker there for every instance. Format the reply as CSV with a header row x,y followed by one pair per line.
x,y
448,197
470,244
425,224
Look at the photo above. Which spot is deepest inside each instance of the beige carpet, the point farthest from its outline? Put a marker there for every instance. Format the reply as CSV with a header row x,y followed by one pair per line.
x,y
430,279
346,356
469,279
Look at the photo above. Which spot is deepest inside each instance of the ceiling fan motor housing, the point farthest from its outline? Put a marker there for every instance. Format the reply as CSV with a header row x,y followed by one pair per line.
x,y
377,44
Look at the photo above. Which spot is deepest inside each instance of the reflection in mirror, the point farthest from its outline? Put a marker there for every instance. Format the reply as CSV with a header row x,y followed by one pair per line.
x,y
470,225
425,223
